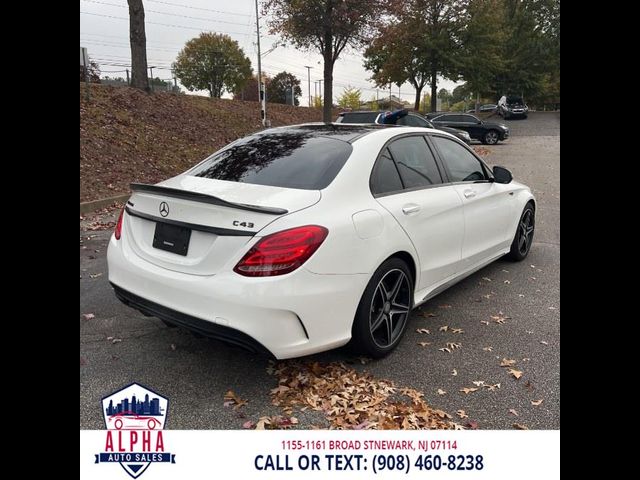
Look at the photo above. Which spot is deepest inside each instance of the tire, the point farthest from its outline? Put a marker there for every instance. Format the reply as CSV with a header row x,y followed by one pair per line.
x,y
491,137
520,248
384,309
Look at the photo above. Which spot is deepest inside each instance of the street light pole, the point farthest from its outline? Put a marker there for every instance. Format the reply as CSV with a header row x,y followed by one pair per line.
x,y
261,98
308,82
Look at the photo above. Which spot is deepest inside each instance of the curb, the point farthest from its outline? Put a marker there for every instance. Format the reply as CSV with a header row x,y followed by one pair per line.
x,y
86,207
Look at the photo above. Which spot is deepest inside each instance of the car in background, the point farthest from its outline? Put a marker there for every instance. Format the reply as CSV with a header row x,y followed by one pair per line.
x,y
488,133
299,239
512,106
411,120
490,107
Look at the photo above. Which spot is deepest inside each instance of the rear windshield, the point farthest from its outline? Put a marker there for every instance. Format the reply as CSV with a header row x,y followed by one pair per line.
x,y
293,159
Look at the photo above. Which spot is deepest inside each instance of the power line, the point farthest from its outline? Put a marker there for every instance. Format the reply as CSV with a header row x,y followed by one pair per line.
x,y
199,8
205,19
200,29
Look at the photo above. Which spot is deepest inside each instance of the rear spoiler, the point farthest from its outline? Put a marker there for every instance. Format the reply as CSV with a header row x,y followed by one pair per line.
x,y
203,198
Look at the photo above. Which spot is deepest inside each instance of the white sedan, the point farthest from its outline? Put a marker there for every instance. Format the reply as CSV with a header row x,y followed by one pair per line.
x,y
299,239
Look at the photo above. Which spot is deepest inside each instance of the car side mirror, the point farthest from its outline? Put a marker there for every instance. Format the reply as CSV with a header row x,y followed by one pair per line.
x,y
502,175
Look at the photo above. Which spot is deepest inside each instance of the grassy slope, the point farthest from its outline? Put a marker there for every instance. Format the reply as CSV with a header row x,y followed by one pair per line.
x,y
128,136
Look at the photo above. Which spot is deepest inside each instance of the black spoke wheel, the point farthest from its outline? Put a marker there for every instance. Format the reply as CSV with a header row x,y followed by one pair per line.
x,y
524,234
384,309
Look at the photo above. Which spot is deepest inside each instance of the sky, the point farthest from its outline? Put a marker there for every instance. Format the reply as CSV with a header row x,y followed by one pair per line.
x,y
104,31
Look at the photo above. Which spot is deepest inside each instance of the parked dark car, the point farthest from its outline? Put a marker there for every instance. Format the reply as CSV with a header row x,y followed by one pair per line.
x,y
512,106
487,132
411,120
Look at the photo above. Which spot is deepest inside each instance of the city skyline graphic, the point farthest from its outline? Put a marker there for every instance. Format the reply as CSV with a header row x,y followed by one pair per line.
x,y
135,406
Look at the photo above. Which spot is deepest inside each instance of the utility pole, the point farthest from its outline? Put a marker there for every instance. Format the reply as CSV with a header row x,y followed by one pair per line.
x,y
309,82
261,96
128,81
151,79
320,87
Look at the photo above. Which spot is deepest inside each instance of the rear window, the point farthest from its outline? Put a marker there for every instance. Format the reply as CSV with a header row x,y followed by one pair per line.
x,y
293,159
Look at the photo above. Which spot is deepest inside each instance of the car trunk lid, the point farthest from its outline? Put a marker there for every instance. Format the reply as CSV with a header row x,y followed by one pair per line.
x,y
196,225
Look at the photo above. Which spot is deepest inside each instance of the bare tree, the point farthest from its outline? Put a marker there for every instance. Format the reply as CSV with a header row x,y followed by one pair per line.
x,y
138,40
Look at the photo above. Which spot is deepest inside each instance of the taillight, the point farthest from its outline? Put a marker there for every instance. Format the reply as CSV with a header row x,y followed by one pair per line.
x,y
281,252
118,230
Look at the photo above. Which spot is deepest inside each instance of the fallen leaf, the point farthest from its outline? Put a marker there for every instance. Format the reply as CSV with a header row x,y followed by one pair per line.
x,y
444,328
535,403
516,373
486,279
453,346
529,385
444,349
454,373
231,399
468,390
505,271
478,383
484,321
88,316
552,308
424,344
526,359
543,342
507,282
488,349
521,295
507,362
472,425
173,347
116,340
95,275
248,424
462,414
513,412
491,388
457,330
423,330
487,296
532,266
429,315
441,392
519,426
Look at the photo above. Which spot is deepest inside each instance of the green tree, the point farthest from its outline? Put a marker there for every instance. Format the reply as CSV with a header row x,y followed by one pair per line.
x,y
445,97
418,42
350,98
481,54
213,62
460,93
317,102
326,26
279,89
426,102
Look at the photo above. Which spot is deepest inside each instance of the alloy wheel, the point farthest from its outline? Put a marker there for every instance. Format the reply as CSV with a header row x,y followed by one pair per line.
x,y
525,232
390,308
491,138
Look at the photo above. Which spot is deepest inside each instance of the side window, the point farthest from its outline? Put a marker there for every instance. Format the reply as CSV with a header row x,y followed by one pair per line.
x,y
443,118
461,164
385,178
415,162
469,119
414,121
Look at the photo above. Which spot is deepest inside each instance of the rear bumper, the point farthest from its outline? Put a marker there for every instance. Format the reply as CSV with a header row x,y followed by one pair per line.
x,y
286,316
212,330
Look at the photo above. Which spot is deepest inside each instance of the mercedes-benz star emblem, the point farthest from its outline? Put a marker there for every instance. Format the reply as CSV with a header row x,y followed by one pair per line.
x,y
164,209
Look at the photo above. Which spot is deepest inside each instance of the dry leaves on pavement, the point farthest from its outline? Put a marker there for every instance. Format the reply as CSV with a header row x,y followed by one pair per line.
x,y
351,399
232,400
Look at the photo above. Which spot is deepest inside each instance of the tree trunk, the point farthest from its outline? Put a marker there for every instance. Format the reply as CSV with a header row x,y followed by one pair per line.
x,y
327,111
138,39
418,98
434,91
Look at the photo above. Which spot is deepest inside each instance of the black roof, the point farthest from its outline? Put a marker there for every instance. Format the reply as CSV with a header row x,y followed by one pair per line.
x,y
347,132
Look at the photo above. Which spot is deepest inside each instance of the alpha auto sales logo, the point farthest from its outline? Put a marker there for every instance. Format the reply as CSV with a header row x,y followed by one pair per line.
x,y
135,417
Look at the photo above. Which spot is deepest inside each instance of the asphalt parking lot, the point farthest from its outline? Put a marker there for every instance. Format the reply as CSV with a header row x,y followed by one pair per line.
x,y
119,346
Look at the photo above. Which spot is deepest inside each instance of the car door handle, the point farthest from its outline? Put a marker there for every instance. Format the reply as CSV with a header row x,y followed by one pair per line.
x,y
411,208
469,193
